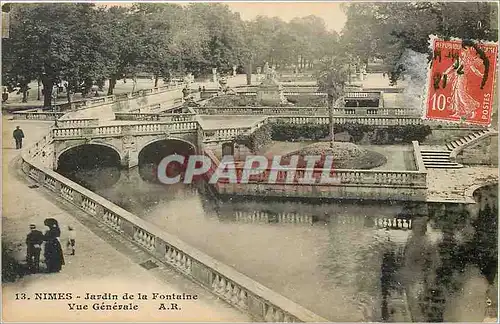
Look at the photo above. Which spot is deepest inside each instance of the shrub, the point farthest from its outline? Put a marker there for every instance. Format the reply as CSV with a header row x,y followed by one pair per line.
x,y
282,131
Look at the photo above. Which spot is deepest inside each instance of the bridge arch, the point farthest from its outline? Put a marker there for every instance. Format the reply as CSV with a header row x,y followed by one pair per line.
x,y
152,153
140,150
92,165
75,146
110,155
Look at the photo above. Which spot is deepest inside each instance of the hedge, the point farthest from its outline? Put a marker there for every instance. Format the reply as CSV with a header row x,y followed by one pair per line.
x,y
390,135
251,101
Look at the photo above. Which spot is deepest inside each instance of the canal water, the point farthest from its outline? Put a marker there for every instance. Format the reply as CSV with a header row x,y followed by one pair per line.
x,y
325,256
329,260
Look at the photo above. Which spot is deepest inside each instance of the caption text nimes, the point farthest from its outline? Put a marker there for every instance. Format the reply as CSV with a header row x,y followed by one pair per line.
x,y
112,302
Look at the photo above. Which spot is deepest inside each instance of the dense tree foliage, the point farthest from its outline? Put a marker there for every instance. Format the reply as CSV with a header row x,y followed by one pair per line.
x,y
83,44
385,30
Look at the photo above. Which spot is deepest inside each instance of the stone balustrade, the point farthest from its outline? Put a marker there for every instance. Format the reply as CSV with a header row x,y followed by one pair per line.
x,y
76,123
261,110
320,94
155,128
122,130
417,156
286,94
265,217
98,101
141,116
365,120
348,184
145,116
225,282
225,133
342,176
37,115
177,117
393,223
368,111
317,111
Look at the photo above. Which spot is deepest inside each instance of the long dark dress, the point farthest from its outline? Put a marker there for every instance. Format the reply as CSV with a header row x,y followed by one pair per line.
x,y
53,252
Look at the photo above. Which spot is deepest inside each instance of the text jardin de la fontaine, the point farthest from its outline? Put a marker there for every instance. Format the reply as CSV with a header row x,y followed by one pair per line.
x,y
113,302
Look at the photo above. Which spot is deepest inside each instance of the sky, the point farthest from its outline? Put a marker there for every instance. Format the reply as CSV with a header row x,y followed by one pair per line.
x,y
329,11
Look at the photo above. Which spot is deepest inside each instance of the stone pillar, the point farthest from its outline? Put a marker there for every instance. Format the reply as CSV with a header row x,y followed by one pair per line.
x,y
124,161
133,158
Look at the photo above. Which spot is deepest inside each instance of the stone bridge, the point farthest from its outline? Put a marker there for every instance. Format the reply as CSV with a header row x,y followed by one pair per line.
x,y
126,140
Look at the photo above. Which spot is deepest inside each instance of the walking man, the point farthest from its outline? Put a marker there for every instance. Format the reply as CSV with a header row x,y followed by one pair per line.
x,y
18,136
34,241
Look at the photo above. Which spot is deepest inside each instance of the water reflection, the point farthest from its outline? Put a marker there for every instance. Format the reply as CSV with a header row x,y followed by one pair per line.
x,y
324,256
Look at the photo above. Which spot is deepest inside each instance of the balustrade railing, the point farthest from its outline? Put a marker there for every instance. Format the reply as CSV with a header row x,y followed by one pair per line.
x,y
225,133
261,110
223,281
37,115
178,117
76,123
121,130
317,111
321,94
146,116
365,120
338,176
141,116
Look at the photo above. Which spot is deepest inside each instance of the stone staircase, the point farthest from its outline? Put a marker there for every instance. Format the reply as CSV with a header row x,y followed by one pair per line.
x,y
440,159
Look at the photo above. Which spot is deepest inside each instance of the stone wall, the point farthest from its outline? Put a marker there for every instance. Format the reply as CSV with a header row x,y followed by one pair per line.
x,y
140,101
223,281
484,152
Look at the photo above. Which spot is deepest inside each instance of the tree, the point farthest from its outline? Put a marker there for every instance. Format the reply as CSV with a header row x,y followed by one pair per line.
x,y
385,30
332,78
122,47
484,246
52,42
225,34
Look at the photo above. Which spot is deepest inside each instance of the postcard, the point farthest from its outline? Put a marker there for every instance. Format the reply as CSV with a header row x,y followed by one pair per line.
x,y
249,162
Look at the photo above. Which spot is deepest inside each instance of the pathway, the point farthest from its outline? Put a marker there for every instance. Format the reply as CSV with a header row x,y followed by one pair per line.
x,y
98,265
450,184
121,87
377,80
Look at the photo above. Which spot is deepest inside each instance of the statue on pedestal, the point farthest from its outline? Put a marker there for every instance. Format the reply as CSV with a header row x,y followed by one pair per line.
x,y
270,73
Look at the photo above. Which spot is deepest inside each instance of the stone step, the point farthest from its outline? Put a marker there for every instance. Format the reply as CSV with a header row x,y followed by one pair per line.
x,y
434,164
466,139
428,154
439,157
450,166
434,152
436,160
440,163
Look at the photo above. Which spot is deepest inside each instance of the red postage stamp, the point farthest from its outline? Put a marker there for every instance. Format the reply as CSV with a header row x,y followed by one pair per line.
x,y
460,87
